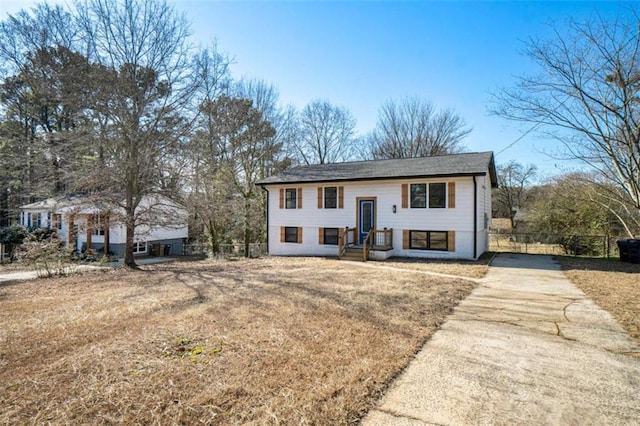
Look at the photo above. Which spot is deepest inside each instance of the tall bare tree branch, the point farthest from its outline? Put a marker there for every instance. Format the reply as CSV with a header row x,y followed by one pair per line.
x,y
586,96
412,127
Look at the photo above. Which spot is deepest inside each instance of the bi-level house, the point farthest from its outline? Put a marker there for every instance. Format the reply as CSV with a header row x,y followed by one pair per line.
x,y
432,207
89,223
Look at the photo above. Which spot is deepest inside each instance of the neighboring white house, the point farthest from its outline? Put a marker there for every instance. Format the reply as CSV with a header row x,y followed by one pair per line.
x,y
435,207
87,223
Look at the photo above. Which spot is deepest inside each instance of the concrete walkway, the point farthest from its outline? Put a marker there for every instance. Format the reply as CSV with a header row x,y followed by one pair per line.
x,y
526,347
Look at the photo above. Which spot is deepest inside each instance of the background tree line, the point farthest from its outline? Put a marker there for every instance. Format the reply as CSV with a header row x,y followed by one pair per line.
x,y
564,205
113,99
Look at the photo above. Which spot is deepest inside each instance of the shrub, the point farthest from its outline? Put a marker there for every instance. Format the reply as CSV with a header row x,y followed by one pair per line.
x,y
13,235
48,256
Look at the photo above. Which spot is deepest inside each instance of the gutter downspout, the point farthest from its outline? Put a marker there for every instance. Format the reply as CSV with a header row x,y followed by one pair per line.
x,y
475,218
266,213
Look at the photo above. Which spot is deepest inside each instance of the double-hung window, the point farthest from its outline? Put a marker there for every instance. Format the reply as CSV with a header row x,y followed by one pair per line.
x,y
291,196
418,195
437,195
330,236
98,225
139,247
432,195
330,197
290,234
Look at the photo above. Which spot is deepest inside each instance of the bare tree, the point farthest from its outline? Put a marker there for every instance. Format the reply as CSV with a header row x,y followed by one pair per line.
x,y
144,44
513,181
412,127
210,195
325,134
242,142
586,97
265,98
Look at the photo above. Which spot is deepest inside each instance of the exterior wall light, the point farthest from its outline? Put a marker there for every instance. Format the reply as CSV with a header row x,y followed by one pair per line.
x,y
394,208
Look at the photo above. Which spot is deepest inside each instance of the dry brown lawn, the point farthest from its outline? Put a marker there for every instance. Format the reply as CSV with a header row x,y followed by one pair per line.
x,y
613,285
267,341
462,268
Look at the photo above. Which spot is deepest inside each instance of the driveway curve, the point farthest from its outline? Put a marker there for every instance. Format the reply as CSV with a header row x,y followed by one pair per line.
x,y
526,347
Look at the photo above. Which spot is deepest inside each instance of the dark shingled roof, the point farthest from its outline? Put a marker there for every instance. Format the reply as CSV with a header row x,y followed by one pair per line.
x,y
468,164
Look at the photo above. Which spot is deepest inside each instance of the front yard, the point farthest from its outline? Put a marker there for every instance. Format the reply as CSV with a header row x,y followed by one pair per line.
x,y
267,341
613,285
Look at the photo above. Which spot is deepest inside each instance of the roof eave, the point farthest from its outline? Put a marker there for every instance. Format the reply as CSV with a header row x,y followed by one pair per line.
x,y
376,178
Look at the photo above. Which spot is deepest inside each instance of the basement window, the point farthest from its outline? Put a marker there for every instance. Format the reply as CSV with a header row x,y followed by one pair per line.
x,y
428,240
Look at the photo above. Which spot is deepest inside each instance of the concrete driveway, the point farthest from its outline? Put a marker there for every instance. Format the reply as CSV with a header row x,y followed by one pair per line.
x,y
526,347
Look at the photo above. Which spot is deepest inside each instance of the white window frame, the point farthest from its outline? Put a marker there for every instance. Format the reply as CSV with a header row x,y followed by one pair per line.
x,y
427,195
98,226
138,247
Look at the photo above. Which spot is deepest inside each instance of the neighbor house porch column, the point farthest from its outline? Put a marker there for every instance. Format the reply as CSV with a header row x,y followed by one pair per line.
x,y
89,231
71,233
54,225
105,224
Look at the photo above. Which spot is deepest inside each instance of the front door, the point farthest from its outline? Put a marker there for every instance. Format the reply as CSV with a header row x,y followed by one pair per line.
x,y
366,218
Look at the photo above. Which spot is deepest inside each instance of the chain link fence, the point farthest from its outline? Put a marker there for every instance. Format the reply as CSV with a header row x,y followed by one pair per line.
x,y
566,245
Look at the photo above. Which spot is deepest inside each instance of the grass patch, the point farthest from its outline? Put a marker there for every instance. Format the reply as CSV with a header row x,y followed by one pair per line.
x,y
613,285
266,341
461,268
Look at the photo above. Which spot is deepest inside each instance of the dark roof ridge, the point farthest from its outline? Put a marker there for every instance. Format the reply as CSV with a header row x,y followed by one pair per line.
x,y
460,164
393,159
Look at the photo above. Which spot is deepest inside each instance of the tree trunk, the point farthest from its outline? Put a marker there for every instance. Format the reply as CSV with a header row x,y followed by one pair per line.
x,y
129,260
247,229
4,206
213,238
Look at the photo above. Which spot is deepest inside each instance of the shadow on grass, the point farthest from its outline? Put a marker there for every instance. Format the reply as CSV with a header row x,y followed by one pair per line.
x,y
263,292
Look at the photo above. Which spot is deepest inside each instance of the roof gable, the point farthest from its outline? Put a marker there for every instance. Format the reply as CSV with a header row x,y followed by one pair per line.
x,y
468,164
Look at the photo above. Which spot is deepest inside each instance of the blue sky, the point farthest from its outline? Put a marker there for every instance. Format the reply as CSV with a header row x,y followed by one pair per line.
x,y
359,54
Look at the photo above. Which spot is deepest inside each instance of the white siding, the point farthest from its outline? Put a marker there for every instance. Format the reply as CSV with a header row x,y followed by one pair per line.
x,y
387,194
484,213
27,220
